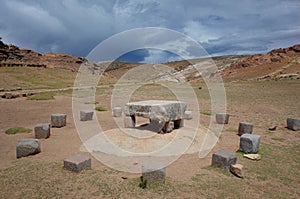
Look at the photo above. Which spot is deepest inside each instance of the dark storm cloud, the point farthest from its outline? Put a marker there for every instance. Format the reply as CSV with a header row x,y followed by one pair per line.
x,y
222,27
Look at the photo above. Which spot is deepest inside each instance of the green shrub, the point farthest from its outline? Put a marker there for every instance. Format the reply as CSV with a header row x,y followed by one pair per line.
x,y
41,96
100,108
15,130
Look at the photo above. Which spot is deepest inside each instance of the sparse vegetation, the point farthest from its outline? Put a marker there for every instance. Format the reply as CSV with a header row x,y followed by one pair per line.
x,y
100,108
42,96
278,139
94,102
18,129
207,112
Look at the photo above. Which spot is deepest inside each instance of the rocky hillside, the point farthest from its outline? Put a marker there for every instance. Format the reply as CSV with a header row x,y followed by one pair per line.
x,y
277,64
11,55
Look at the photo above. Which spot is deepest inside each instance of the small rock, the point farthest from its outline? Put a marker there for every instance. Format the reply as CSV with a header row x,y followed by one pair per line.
x,y
42,131
245,128
272,128
2,89
154,172
124,177
252,156
8,95
237,169
222,118
86,115
58,120
19,88
77,163
223,159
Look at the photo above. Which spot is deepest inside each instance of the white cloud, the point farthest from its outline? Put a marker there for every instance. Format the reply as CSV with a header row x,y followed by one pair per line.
x,y
223,27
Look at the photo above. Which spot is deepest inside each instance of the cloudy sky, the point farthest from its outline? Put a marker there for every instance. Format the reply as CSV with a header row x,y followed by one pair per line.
x,y
221,27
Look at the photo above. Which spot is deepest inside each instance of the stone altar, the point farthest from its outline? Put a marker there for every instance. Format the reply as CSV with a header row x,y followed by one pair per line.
x,y
158,111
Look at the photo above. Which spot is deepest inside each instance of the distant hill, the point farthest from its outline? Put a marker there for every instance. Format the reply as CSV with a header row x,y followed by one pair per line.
x,y
11,55
277,64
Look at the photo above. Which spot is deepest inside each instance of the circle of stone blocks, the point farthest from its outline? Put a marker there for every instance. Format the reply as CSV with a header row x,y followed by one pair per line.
x,y
58,120
117,112
293,124
153,172
249,143
26,147
188,115
223,159
129,122
77,163
222,118
42,131
86,115
245,128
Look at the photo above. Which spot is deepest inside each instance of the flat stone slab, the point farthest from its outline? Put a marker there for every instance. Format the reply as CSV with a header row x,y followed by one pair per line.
x,y
252,156
77,163
237,170
293,124
154,172
245,128
42,131
222,118
249,143
26,147
156,109
117,112
86,115
223,159
58,120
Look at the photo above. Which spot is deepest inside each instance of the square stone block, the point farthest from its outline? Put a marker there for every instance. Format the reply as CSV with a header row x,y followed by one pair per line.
x,y
58,120
154,172
26,147
245,127
293,124
86,115
249,143
117,112
42,131
223,159
77,163
222,118
188,115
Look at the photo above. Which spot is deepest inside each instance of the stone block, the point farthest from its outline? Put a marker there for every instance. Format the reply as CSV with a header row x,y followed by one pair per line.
x,y
188,115
26,147
129,121
117,111
249,143
153,172
77,163
86,115
168,127
42,131
223,159
222,118
293,124
58,120
245,127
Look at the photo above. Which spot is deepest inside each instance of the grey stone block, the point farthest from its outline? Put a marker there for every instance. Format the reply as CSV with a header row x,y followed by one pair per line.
x,y
26,147
249,143
77,163
58,120
153,172
222,118
42,131
245,127
117,111
86,115
188,115
293,124
223,159
129,121
168,127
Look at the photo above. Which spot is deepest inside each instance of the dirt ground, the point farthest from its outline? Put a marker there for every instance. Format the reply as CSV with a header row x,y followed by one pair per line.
x,y
263,104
